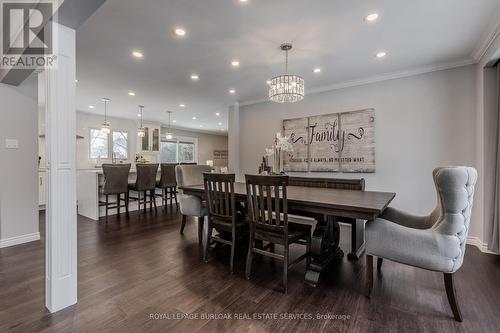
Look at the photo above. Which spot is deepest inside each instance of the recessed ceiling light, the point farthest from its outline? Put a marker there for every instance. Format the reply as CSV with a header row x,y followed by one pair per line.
x,y
76,80
194,118
317,70
180,32
131,93
195,77
91,106
137,54
371,17
232,91
243,1
174,121
381,54
201,125
138,115
268,82
220,124
217,114
235,63
182,105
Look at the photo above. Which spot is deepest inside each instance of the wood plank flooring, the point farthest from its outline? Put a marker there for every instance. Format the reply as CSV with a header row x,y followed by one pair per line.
x,y
135,273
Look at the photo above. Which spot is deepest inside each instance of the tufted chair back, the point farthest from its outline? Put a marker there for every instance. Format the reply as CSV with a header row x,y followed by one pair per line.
x,y
455,191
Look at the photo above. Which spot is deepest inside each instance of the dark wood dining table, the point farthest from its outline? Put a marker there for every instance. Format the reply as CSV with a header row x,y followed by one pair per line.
x,y
314,202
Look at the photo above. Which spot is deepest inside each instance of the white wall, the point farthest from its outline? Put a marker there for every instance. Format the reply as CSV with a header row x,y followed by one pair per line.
x,y
422,122
19,167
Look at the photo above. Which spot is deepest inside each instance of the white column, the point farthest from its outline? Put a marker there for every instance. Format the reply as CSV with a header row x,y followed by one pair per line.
x,y
57,96
234,141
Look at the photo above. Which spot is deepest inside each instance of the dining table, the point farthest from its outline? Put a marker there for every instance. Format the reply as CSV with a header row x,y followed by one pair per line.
x,y
330,205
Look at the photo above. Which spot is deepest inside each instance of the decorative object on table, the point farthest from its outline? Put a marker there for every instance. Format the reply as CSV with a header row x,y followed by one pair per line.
x,y
141,132
435,242
337,142
140,159
105,125
282,146
286,88
264,167
210,163
169,135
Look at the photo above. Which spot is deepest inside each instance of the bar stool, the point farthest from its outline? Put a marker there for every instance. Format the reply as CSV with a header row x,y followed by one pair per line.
x,y
168,184
115,183
145,182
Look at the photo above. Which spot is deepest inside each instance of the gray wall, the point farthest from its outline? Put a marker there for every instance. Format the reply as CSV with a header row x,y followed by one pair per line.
x,y
19,167
422,122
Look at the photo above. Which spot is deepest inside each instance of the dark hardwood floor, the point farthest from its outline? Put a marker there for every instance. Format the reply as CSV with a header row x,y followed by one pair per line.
x,y
132,269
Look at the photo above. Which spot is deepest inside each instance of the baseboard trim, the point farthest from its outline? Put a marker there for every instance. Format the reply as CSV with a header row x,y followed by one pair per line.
x,y
483,247
19,240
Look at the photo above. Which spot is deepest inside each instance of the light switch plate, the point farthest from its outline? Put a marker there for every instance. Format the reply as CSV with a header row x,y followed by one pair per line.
x,y
11,143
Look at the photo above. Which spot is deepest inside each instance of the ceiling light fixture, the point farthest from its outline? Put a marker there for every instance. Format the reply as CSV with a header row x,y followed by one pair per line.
x,y
286,88
180,32
76,80
174,121
220,124
235,63
232,91
243,1
217,114
268,82
105,125
371,17
195,77
317,70
381,54
141,132
91,107
131,93
201,125
194,118
182,105
169,135
138,54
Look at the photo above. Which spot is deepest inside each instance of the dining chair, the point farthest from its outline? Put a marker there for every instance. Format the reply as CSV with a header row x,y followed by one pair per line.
x,y
434,242
168,184
190,205
223,214
268,214
342,184
115,183
146,184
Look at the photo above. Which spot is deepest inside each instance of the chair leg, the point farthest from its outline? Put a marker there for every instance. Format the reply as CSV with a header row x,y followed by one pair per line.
x,y
207,243
285,269
233,241
248,269
452,298
107,203
201,221
174,190
118,204
163,200
126,202
369,275
273,249
152,194
183,223
379,263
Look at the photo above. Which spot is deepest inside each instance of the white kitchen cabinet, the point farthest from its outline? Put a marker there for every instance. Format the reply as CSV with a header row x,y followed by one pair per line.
x,y
151,140
42,188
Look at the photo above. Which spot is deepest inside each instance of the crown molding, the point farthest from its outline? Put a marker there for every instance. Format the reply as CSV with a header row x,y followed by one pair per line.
x,y
487,39
379,78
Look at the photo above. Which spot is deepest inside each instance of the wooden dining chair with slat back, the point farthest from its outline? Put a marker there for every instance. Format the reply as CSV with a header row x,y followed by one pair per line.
x,y
222,212
268,213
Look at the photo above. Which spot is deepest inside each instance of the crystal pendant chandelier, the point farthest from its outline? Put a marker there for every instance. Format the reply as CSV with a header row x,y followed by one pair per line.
x,y
105,125
286,88
169,135
140,131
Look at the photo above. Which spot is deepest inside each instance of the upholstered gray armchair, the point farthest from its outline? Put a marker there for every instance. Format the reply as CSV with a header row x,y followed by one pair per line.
x,y
435,242
189,175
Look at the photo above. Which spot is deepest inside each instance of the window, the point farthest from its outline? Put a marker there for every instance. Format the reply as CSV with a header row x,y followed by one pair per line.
x,y
120,145
179,150
98,144
102,144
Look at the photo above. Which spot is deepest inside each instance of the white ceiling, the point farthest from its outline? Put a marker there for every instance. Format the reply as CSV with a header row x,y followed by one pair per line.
x,y
330,34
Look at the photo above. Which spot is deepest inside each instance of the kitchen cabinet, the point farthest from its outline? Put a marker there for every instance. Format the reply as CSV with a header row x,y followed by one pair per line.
x,y
42,188
151,139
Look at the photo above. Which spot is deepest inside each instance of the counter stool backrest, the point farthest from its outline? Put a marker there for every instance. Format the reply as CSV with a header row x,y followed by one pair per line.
x,y
167,178
115,178
146,176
